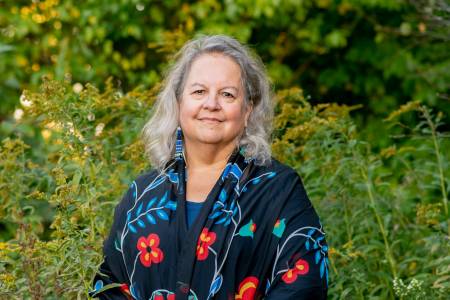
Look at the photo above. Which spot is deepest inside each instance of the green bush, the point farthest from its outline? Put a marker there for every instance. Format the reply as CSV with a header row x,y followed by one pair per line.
x,y
385,214
380,53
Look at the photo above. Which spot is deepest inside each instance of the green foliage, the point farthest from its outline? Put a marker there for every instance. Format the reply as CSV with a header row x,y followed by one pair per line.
x,y
386,213
381,187
59,208
378,53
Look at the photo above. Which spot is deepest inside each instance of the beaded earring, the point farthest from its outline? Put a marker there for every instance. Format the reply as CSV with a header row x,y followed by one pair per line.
x,y
179,144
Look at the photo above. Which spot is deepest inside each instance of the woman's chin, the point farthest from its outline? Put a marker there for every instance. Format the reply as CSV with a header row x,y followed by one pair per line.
x,y
210,140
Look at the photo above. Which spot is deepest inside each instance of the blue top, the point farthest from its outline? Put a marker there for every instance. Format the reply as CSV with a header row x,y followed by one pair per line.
x,y
192,211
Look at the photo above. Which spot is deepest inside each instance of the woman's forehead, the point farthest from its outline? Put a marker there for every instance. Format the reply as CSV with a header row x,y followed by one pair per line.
x,y
214,69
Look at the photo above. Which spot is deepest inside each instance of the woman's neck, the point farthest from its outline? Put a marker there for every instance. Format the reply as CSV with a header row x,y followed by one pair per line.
x,y
207,156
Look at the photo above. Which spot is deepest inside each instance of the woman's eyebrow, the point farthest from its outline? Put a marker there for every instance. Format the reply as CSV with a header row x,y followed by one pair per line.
x,y
204,86
196,83
230,87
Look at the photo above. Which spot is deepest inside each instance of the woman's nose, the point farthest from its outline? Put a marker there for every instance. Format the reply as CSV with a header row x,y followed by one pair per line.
x,y
212,102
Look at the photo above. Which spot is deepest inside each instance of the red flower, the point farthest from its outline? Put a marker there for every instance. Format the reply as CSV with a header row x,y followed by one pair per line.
x,y
205,240
290,276
171,297
149,251
159,296
247,289
301,268
124,288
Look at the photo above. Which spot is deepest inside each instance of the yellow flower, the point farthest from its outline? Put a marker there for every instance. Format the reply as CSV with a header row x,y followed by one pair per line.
x,y
388,152
410,106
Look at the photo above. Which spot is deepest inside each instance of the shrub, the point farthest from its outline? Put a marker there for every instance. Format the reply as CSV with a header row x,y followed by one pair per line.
x,y
385,214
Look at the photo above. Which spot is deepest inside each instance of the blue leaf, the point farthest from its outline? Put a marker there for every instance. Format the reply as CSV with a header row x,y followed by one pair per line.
x,y
311,231
172,205
233,203
134,194
151,219
215,215
222,220
226,171
215,286
150,204
267,287
325,248
133,292
223,196
272,174
322,268
236,171
132,229
256,181
128,216
98,285
141,223
173,177
217,205
163,200
320,238
244,189
162,214
316,245
139,209
317,257
307,245
235,210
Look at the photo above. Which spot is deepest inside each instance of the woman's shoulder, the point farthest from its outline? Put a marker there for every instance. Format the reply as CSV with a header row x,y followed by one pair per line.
x,y
282,170
146,176
144,179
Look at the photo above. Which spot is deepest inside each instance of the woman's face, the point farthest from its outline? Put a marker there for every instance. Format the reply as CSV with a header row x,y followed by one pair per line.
x,y
212,107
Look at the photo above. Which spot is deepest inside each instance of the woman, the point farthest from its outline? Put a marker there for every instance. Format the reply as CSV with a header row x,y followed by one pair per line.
x,y
218,217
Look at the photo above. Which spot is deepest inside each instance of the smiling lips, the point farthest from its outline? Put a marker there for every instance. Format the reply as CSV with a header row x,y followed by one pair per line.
x,y
210,120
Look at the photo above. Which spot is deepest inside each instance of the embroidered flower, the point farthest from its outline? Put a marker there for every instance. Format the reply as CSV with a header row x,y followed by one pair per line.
x,y
301,268
290,276
171,297
124,288
248,229
205,240
149,251
160,296
279,227
247,288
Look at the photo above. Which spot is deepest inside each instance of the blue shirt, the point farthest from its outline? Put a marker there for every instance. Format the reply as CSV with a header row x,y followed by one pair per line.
x,y
192,211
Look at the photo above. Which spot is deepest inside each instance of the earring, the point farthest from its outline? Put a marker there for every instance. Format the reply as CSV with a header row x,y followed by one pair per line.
x,y
179,145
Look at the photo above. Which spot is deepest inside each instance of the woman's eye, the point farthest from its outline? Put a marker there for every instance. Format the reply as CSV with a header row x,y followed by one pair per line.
x,y
199,92
228,95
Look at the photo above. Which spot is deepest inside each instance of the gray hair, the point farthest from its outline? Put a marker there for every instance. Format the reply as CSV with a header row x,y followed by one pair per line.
x,y
159,133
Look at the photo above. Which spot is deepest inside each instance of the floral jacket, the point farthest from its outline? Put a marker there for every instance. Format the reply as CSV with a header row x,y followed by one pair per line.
x,y
256,237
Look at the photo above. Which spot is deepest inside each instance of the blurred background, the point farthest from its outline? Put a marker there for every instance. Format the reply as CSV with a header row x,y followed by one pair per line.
x,y
363,102
378,53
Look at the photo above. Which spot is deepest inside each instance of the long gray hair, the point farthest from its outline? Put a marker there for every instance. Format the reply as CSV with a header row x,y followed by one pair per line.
x,y
159,133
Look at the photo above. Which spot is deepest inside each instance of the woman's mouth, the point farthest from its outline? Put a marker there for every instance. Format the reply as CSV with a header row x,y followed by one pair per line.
x,y
210,120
